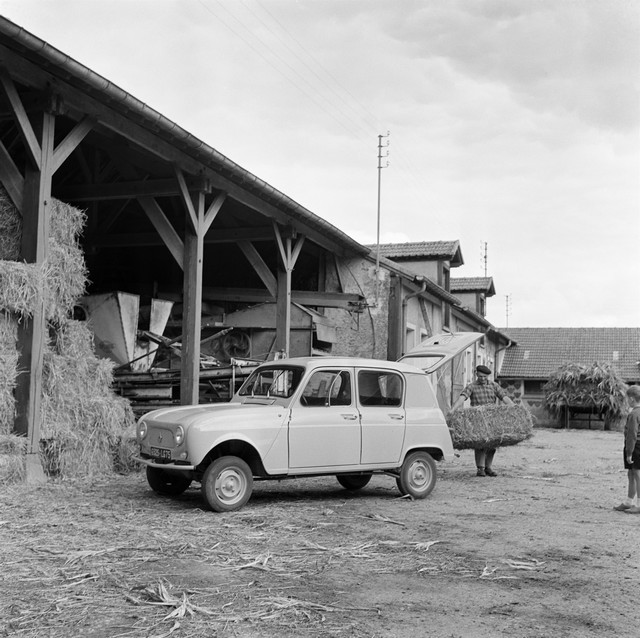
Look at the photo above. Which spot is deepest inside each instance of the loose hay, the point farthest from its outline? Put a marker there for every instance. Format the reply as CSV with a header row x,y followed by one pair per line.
x,y
8,373
21,287
10,228
489,426
82,419
12,463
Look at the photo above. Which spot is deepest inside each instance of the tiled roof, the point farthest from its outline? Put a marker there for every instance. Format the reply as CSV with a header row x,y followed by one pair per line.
x,y
472,284
421,250
541,351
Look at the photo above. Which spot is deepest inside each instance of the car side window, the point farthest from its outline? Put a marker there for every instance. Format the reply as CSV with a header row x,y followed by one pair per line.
x,y
379,388
326,388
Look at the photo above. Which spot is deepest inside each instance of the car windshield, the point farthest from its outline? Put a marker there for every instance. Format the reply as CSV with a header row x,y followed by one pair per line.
x,y
272,382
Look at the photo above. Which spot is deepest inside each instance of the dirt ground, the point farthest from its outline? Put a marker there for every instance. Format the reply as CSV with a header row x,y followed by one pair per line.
x,y
536,552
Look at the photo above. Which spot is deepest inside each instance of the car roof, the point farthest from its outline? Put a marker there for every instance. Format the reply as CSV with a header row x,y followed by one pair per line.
x,y
343,362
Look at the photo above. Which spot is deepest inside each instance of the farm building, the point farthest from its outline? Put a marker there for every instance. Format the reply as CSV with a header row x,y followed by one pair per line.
x,y
536,353
187,268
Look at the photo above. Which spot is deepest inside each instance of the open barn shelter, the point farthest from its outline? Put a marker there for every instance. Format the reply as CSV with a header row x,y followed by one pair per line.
x,y
167,218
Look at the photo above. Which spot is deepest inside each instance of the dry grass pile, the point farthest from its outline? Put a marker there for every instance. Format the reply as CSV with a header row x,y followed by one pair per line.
x,y
10,228
8,372
64,276
12,450
83,420
21,287
489,426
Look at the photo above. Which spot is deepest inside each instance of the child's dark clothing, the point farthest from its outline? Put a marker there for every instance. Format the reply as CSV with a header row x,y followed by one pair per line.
x,y
632,440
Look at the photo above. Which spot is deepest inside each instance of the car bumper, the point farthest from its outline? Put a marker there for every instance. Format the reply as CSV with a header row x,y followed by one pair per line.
x,y
164,466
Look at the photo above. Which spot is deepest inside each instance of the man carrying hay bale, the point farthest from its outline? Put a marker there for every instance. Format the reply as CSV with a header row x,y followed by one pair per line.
x,y
483,391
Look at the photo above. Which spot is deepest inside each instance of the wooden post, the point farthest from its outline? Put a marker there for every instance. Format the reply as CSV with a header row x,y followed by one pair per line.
x,y
192,302
36,213
289,255
283,311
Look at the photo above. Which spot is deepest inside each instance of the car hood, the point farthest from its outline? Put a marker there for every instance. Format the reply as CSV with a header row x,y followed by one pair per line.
x,y
195,414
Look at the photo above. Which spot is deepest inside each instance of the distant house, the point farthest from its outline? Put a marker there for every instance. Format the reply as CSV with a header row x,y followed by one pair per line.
x,y
473,292
431,307
536,353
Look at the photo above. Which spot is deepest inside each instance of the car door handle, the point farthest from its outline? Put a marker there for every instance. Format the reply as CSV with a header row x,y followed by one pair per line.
x,y
350,417
397,417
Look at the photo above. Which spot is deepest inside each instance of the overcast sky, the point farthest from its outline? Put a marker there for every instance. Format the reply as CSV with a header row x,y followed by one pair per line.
x,y
513,123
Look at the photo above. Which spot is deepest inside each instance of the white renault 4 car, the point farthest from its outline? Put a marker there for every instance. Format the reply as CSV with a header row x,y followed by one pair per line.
x,y
308,416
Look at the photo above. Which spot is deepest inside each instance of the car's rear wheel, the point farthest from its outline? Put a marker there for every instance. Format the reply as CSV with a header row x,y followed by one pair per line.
x,y
353,482
227,484
418,475
167,483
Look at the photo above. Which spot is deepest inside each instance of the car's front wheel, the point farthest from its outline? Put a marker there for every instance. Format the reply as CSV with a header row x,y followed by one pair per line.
x,y
167,483
227,484
353,482
418,475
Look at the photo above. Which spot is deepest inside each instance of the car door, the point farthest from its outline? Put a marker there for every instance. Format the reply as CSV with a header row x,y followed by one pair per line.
x,y
382,415
324,428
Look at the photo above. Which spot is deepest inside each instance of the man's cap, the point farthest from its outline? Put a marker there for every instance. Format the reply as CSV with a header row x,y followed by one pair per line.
x,y
483,369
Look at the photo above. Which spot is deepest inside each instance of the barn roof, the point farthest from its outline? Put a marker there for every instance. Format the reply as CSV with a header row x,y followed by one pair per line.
x,y
541,351
21,52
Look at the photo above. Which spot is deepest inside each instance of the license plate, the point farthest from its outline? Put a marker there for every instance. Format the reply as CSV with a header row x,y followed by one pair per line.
x,y
160,453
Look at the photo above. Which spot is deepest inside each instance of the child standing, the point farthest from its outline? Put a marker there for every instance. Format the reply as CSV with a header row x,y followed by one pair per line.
x,y
632,453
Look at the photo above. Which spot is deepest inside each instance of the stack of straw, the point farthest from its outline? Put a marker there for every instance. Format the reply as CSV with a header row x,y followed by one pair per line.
x,y
83,420
489,426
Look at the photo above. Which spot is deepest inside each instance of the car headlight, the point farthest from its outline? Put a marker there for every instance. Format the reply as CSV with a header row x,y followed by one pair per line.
x,y
179,435
142,430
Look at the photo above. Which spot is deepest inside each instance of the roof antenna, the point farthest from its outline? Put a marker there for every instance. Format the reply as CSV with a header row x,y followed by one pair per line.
x,y
380,167
483,256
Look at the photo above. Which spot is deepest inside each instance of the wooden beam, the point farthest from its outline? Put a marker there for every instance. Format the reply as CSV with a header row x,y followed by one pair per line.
x,y
255,259
128,190
32,332
283,312
20,115
164,227
302,297
213,210
192,306
186,200
221,236
11,178
71,141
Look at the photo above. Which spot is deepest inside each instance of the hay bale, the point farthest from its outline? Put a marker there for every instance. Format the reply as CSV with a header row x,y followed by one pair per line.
x,y
21,287
65,280
8,333
489,426
8,375
81,438
65,226
10,228
62,280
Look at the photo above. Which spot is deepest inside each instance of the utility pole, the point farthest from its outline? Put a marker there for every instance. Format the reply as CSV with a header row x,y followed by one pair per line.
x,y
507,308
380,167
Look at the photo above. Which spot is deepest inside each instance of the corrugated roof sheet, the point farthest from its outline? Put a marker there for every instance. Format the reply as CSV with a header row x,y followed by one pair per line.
x,y
419,249
470,284
540,351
